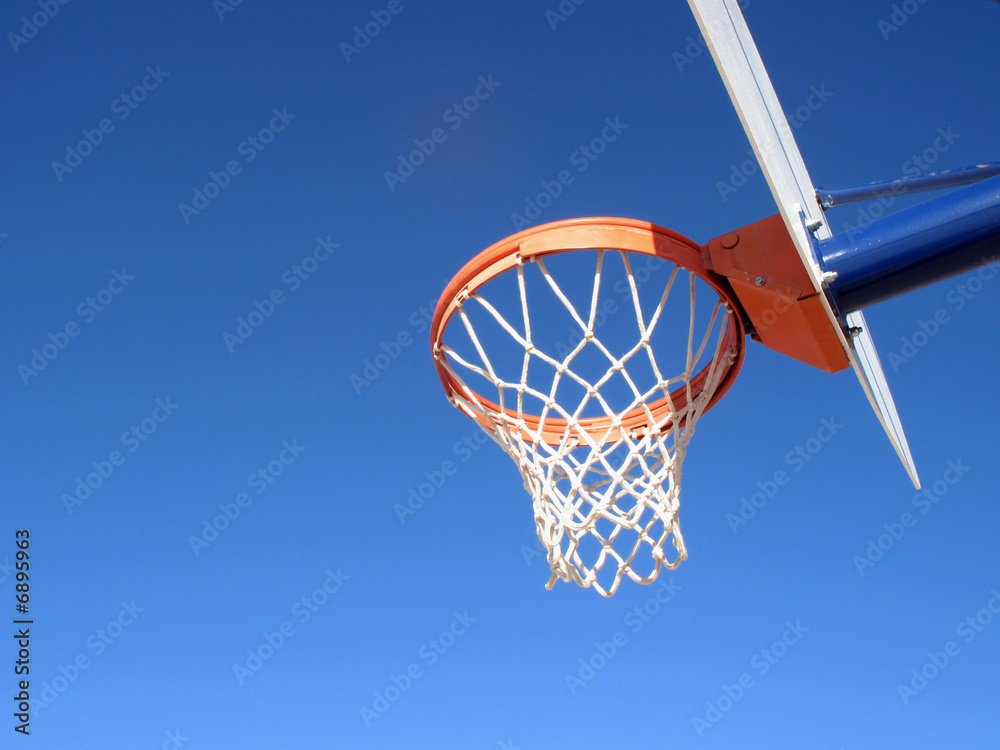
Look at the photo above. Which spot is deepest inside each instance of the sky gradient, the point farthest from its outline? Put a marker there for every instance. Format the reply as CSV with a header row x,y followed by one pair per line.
x,y
223,230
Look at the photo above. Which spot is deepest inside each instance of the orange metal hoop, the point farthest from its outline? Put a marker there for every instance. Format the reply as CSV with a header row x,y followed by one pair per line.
x,y
597,233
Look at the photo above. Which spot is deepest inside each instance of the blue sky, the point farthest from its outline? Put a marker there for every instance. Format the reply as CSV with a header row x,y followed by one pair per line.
x,y
217,162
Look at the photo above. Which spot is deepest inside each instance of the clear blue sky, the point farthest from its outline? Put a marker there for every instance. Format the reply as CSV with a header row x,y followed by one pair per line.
x,y
129,264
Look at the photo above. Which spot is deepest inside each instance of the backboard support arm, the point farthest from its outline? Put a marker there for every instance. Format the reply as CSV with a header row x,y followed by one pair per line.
x,y
912,248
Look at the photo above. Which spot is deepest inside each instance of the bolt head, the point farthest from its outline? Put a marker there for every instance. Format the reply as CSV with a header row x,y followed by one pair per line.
x,y
730,240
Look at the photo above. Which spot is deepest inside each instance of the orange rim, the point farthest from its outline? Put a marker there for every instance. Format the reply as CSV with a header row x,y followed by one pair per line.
x,y
596,233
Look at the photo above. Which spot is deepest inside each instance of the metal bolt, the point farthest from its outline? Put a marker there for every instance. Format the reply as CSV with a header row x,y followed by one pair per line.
x,y
730,240
759,281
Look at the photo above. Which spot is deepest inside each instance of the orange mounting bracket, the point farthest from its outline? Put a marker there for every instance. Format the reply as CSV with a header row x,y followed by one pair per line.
x,y
784,312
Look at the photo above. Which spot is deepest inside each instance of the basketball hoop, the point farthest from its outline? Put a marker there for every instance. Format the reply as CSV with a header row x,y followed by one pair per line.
x,y
603,467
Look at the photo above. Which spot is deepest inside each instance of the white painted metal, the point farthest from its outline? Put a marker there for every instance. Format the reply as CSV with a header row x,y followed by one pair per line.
x,y
750,89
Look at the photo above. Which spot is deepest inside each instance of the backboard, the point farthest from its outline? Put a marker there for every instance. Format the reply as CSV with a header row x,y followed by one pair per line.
x,y
736,56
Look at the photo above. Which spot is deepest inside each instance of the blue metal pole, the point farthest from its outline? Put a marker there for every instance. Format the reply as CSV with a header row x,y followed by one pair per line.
x,y
914,247
909,184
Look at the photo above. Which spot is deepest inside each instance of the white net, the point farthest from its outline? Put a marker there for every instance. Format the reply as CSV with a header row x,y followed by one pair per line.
x,y
603,465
